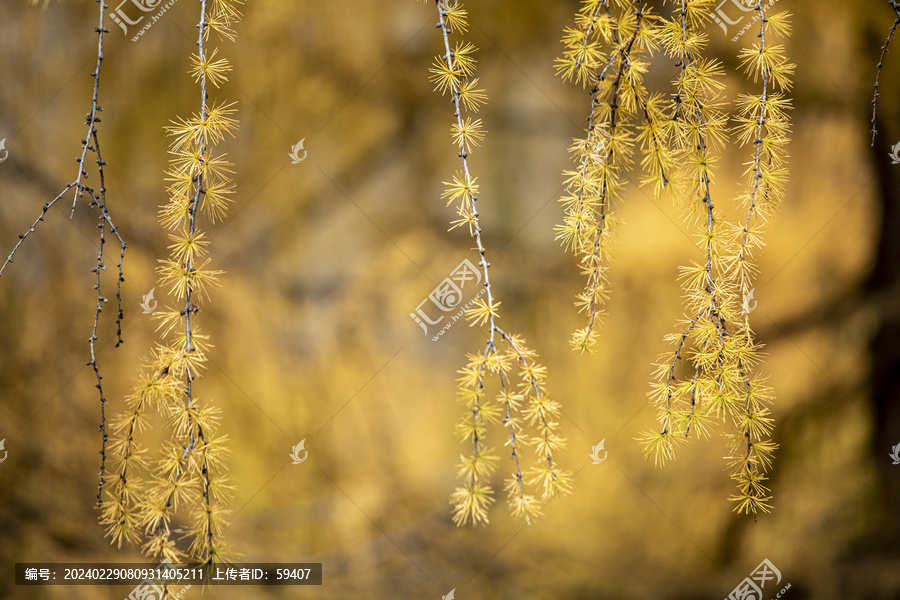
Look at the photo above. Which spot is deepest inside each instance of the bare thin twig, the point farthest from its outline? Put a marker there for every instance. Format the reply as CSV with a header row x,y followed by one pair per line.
x,y
884,50
91,143
92,119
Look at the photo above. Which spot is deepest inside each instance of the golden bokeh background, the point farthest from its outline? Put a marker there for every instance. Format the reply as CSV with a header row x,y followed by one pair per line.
x,y
326,259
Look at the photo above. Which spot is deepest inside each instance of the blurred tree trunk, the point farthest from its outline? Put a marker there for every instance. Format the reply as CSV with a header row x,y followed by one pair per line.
x,y
882,288
883,283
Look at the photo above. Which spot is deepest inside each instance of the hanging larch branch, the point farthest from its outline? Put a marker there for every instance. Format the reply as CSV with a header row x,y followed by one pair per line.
x,y
698,127
521,404
189,470
763,123
610,53
709,375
